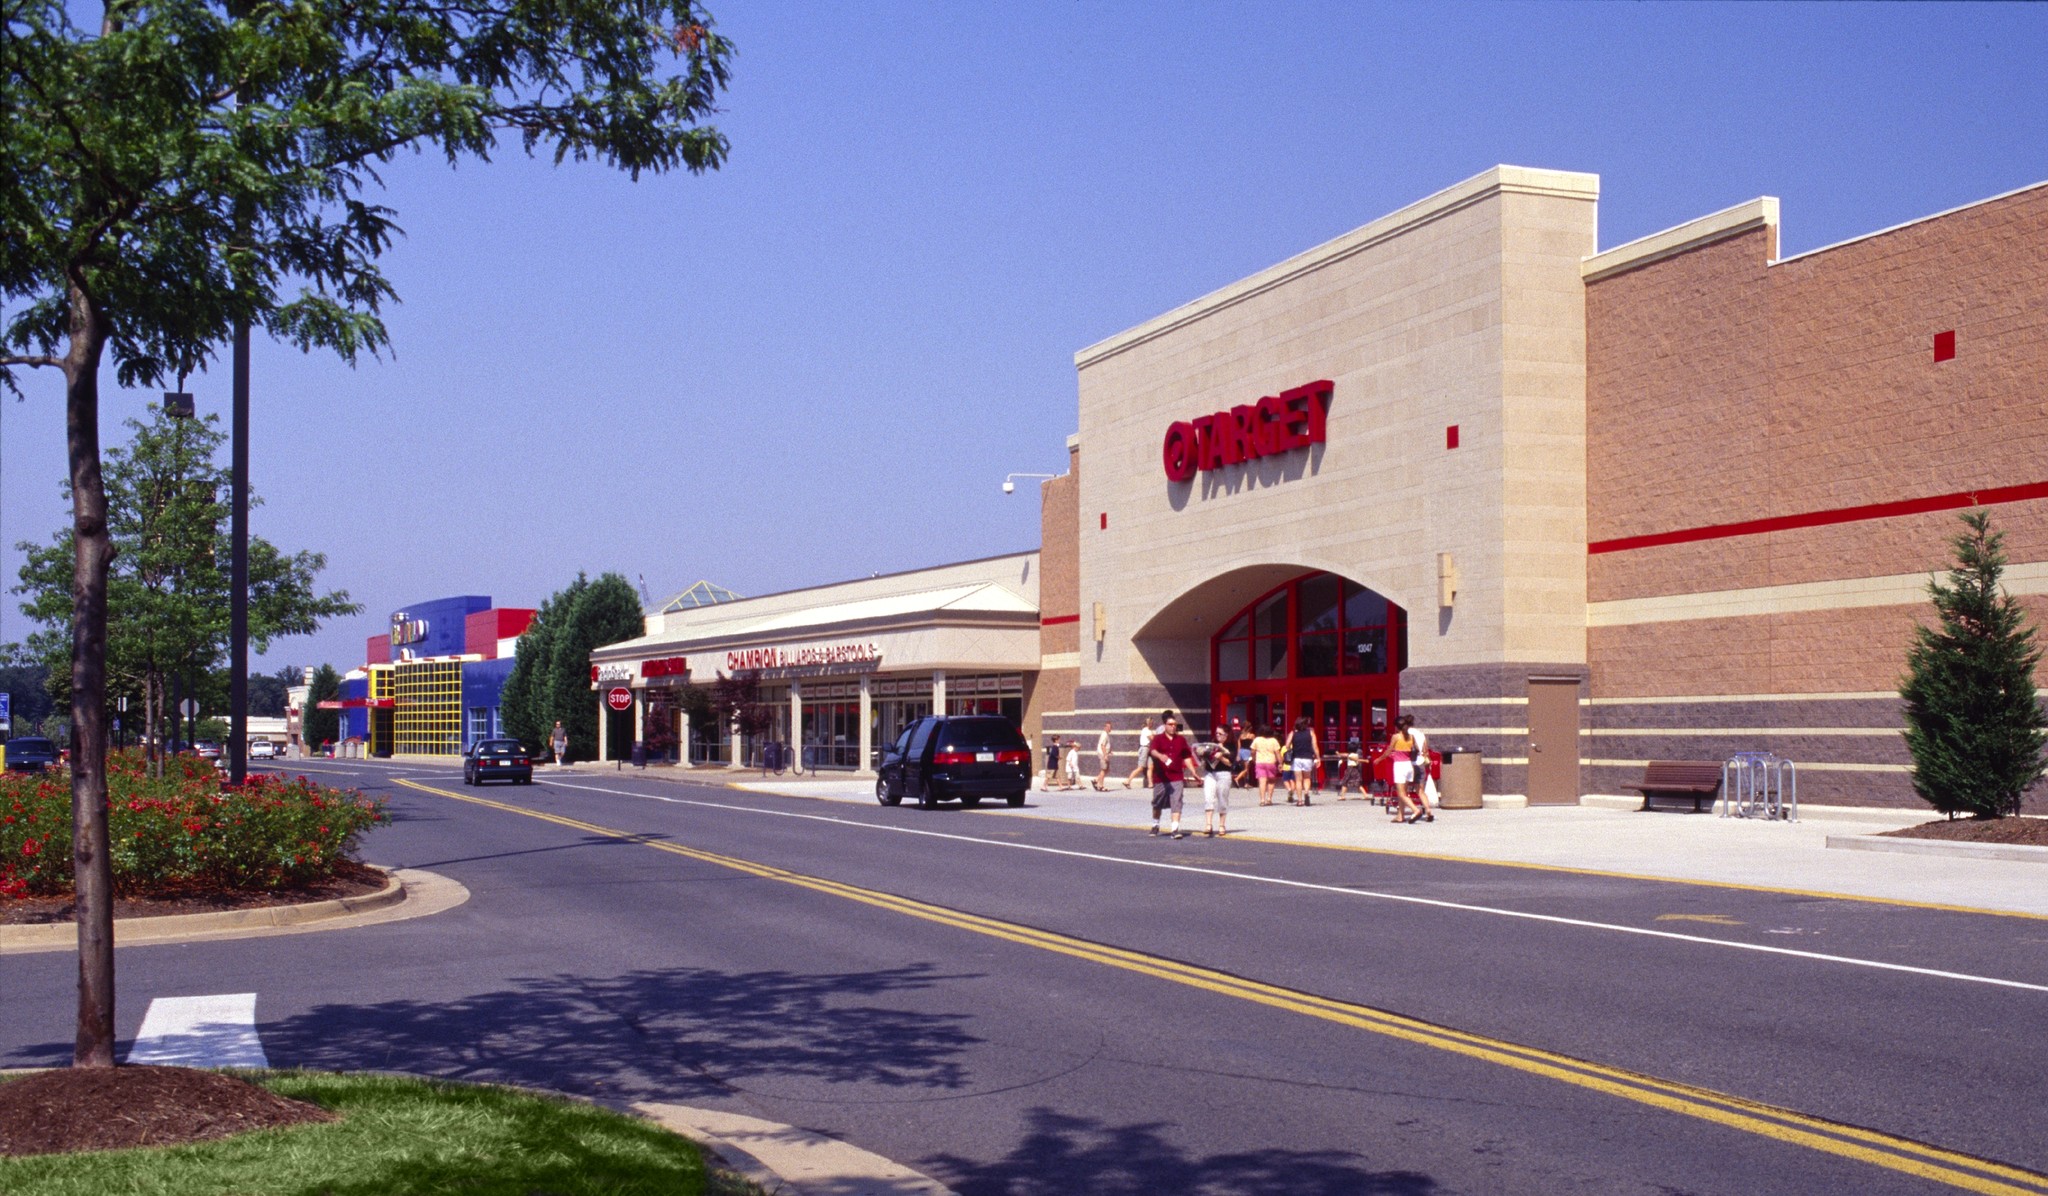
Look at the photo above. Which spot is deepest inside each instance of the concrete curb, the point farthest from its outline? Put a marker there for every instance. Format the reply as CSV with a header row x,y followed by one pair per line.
x,y
1970,851
407,893
790,1161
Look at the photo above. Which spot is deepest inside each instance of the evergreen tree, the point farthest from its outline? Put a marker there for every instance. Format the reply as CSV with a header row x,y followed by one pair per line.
x,y
320,725
1973,722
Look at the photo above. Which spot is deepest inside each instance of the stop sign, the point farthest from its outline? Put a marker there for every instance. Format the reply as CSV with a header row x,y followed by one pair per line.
x,y
619,698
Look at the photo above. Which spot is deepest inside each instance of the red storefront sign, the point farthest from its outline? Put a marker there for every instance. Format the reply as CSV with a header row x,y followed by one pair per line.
x,y
671,666
1276,424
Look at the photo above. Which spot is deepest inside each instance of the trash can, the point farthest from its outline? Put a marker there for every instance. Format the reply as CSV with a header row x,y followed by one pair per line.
x,y
639,754
1460,784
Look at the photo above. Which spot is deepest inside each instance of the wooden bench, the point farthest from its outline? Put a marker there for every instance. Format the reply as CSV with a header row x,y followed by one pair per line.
x,y
1699,780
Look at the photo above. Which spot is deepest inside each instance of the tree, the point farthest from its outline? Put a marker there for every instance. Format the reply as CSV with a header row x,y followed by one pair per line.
x,y
525,702
605,612
167,588
1973,721
319,725
550,680
738,700
23,676
268,692
175,172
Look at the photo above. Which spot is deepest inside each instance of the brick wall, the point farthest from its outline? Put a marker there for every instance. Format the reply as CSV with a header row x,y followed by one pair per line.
x,y
1724,388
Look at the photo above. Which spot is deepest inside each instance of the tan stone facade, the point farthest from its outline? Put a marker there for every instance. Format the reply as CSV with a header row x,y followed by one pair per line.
x,y
1463,310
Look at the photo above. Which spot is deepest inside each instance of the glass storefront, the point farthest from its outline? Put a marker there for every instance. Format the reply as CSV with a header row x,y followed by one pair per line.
x,y
830,736
992,693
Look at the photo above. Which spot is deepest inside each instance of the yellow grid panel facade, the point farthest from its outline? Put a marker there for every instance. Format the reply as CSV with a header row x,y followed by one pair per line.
x,y
427,720
379,721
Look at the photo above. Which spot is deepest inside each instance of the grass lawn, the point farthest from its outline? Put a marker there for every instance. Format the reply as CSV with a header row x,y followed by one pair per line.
x,y
398,1137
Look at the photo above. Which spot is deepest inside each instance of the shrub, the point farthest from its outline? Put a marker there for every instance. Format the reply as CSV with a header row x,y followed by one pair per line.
x,y
186,829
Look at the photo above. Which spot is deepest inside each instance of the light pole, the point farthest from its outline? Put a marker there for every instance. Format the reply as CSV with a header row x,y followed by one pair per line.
x,y
1010,483
238,567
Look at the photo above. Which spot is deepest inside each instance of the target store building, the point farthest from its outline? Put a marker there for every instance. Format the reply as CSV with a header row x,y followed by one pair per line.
x,y
1572,507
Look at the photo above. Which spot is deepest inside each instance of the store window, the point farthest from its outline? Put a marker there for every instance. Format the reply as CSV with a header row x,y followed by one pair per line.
x,y
993,693
427,713
1321,625
1321,648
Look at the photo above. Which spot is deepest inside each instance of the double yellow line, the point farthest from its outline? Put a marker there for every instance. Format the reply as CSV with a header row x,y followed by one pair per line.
x,y
1783,1125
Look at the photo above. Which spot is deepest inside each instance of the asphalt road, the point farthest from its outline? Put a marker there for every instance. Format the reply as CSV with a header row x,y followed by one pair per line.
x,y
1015,1005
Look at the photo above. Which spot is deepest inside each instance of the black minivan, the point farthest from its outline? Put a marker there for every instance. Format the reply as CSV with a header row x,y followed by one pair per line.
x,y
964,757
30,753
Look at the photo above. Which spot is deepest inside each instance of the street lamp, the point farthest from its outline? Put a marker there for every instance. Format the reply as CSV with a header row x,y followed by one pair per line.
x,y
178,403
1010,483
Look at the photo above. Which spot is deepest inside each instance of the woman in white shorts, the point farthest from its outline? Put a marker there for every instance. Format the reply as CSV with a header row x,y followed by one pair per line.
x,y
1218,763
1409,763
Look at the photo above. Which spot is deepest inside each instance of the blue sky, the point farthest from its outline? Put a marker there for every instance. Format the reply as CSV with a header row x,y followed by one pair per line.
x,y
819,362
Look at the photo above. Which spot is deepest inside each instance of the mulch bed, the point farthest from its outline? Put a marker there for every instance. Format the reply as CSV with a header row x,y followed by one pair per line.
x,y
2027,832
350,879
114,1108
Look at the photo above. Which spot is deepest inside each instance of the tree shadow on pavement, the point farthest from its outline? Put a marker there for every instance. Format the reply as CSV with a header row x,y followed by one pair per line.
x,y
676,1034
1064,1154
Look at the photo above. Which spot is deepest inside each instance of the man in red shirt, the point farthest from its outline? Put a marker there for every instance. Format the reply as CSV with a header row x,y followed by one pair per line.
x,y
1172,759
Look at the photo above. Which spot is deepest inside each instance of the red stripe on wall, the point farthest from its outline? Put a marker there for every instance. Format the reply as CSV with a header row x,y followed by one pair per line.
x,y
1780,523
1056,620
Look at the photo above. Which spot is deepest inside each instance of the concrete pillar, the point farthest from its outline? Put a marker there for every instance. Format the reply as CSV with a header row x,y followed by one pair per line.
x,y
604,724
939,693
865,767
796,719
639,721
683,737
733,760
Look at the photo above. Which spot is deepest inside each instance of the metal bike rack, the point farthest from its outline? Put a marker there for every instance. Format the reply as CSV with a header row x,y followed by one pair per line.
x,y
1760,785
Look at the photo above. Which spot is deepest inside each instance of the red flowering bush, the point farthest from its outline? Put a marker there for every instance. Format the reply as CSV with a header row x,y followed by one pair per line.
x,y
185,829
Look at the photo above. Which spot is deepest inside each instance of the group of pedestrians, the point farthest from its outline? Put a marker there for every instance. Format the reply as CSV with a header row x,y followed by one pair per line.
x,y
1063,762
1236,755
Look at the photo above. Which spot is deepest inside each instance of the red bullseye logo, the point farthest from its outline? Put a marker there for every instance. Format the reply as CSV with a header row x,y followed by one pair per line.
x,y
619,698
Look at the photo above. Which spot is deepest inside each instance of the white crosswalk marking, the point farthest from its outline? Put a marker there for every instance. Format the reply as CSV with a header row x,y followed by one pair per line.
x,y
212,1031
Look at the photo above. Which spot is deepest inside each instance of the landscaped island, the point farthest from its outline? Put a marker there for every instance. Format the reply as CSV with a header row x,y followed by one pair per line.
x,y
185,835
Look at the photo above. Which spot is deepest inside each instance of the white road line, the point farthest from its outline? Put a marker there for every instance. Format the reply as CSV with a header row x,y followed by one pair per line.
x,y
1403,898
211,1031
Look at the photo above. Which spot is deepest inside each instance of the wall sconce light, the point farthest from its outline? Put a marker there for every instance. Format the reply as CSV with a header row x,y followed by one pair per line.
x,y
1446,580
1101,623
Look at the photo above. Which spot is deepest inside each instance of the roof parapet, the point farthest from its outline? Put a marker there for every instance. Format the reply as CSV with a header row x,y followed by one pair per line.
x,y
1743,217
1497,180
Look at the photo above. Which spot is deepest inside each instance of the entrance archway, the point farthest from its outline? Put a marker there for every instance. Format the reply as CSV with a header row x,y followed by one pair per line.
x,y
1318,646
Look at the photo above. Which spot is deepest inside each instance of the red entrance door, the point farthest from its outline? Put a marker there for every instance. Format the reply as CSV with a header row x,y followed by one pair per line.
x,y
1320,647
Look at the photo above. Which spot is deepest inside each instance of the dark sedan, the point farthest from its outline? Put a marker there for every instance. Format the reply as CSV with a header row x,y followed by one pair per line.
x,y
497,760
31,753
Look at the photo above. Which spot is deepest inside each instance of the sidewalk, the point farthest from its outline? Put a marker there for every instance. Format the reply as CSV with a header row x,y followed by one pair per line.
x,y
1594,837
